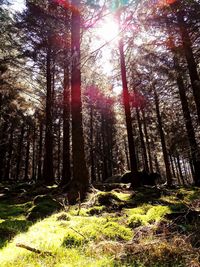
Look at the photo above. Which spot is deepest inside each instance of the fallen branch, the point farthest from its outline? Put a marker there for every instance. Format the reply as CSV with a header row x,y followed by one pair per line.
x,y
33,249
78,233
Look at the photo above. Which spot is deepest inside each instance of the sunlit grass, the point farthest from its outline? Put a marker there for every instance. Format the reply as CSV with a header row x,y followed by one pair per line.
x,y
82,238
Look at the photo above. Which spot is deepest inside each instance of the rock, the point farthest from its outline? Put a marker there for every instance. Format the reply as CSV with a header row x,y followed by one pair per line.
x,y
144,178
44,206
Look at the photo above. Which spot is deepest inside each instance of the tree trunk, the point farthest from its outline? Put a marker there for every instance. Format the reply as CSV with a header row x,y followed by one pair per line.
x,y
162,137
19,152
172,165
9,157
180,169
40,146
188,123
3,148
143,146
27,155
192,66
33,154
80,171
147,141
66,171
48,157
131,145
92,167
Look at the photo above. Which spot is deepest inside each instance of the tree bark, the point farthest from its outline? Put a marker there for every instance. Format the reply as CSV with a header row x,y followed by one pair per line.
x,y
163,143
19,152
126,101
80,171
143,146
66,171
40,148
188,123
192,66
48,157
26,176
147,141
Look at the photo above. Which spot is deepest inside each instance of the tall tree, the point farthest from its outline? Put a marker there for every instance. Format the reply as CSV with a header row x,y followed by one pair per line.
x,y
80,171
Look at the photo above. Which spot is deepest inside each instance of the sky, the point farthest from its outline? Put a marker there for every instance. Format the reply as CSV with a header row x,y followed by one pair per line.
x,y
16,5
106,32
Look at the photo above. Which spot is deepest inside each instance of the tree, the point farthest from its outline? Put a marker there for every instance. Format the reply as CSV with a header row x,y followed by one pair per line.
x,y
80,171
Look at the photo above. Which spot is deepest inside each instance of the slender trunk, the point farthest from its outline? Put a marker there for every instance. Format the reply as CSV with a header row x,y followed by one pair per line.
x,y
105,169
3,148
180,169
172,165
156,164
188,123
131,145
80,171
9,157
39,175
33,154
177,170
192,66
59,151
66,171
19,152
147,141
27,155
92,167
48,157
163,143
143,146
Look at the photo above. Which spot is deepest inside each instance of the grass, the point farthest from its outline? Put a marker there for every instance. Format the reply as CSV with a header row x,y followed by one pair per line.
x,y
101,236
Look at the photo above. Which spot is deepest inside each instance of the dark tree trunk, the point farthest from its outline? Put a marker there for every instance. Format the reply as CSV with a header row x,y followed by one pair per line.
x,y
19,152
40,147
48,156
156,164
104,159
59,151
92,166
66,171
3,141
163,143
147,141
188,123
80,171
9,157
180,169
26,176
33,154
143,146
172,165
126,101
126,153
192,66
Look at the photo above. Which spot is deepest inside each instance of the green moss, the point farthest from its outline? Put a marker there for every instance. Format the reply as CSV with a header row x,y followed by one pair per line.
x,y
157,213
147,214
9,210
73,240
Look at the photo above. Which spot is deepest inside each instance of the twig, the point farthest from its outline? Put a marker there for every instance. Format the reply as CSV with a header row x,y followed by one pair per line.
x,y
19,245
79,203
78,233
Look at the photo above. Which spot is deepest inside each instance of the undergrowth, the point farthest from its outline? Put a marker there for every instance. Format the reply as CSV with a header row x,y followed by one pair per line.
x,y
111,229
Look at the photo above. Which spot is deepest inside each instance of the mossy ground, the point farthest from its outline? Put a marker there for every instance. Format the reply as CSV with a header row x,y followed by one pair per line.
x,y
110,229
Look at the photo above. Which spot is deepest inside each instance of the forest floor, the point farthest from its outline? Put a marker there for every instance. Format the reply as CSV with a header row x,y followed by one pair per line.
x,y
121,227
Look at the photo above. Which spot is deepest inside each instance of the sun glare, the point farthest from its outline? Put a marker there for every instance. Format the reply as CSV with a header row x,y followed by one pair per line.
x,y
107,30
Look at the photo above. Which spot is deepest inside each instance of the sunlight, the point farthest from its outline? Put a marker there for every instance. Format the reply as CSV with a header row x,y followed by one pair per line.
x,y
107,30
